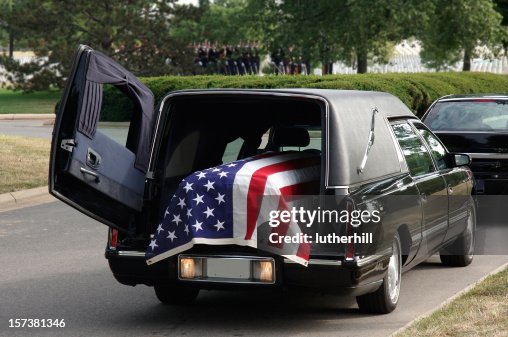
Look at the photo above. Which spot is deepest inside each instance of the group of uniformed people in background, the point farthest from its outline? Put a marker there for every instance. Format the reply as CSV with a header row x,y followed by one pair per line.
x,y
244,59
227,59
289,62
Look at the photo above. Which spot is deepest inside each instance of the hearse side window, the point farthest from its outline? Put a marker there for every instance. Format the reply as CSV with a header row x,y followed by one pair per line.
x,y
438,151
417,157
179,163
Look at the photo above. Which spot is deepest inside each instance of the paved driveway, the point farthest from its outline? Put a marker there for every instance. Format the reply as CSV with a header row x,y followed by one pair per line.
x,y
53,267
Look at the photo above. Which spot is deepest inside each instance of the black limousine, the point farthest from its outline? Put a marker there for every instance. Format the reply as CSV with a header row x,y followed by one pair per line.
x,y
476,125
199,196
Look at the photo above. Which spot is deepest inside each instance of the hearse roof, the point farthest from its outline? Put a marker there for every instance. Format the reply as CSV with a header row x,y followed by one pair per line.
x,y
349,121
340,100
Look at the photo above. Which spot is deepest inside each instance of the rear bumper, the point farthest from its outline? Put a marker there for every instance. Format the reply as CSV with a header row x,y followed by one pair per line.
x,y
130,268
490,173
322,275
491,184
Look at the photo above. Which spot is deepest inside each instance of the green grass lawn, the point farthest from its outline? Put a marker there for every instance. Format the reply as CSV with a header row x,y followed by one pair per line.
x,y
24,163
13,102
482,311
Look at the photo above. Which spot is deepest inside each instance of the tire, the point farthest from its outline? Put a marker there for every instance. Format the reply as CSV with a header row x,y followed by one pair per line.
x,y
384,300
460,252
175,294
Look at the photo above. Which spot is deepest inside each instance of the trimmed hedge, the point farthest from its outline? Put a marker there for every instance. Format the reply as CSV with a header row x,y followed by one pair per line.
x,y
417,91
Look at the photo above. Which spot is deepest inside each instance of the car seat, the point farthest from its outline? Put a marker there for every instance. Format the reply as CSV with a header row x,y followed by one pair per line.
x,y
282,137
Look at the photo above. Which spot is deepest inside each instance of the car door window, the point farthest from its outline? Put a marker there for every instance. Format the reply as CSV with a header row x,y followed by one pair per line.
x,y
417,156
437,149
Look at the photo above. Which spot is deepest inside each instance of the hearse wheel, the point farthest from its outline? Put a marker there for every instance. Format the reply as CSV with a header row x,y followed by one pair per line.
x,y
385,299
176,294
460,252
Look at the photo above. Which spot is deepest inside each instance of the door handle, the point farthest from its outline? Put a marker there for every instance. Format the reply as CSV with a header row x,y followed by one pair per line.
x,y
93,159
450,189
93,174
423,196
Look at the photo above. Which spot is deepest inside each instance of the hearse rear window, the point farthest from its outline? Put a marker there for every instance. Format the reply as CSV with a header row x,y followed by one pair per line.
x,y
211,132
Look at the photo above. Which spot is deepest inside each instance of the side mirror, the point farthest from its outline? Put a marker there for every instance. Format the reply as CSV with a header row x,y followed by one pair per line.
x,y
460,159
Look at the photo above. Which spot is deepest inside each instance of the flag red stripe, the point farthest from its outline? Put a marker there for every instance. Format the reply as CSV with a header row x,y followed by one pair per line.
x,y
258,183
306,188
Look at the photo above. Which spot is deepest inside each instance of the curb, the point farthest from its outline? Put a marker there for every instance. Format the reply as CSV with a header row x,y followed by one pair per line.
x,y
13,198
49,119
26,116
450,299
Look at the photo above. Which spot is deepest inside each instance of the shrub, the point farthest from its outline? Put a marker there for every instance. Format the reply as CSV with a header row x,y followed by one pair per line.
x,y
417,91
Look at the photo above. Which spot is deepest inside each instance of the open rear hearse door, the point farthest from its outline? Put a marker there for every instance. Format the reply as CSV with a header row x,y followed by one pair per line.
x,y
89,170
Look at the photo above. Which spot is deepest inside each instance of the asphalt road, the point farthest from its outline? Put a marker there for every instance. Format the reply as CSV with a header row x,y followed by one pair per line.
x,y
52,266
37,129
26,128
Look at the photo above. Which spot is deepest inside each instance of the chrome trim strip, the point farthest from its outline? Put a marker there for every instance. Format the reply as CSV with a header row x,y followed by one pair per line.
x,y
459,217
473,98
223,256
459,132
327,142
317,262
370,141
131,253
488,155
360,262
335,187
373,180
226,281
443,225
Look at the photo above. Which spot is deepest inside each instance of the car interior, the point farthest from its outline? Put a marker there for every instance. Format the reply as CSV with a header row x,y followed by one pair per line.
x,y
209,132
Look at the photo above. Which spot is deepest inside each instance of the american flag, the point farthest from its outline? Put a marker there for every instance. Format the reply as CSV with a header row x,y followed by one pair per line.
x,y
226,205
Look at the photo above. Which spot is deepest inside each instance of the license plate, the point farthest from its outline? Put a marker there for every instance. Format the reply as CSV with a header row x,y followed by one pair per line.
x,y
228,268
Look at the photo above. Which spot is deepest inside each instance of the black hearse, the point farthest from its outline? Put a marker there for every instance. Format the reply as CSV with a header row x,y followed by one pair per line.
x,y
373,155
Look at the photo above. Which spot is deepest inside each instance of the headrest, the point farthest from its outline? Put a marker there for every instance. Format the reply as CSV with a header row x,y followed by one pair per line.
x,y
295,137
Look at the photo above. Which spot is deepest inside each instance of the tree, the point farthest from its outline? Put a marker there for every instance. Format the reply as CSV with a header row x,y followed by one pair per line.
x,y
223,21
299,28
366,28
8,24
227,21
458,27
502,8
134,32
352,31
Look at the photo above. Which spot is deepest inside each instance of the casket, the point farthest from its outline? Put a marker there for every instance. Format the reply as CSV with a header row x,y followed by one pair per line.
x,y
227,204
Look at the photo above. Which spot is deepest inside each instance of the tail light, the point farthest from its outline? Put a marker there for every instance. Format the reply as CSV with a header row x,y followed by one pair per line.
x,y
113,238
263,271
